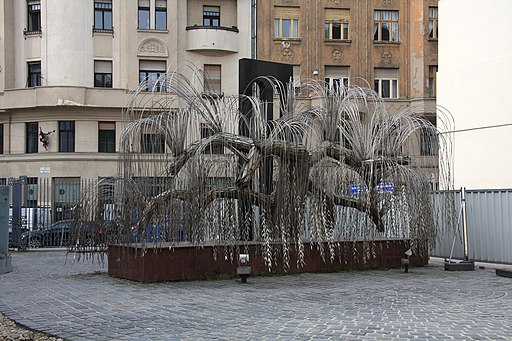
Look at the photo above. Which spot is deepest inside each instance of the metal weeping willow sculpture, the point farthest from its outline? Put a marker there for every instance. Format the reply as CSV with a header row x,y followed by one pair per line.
x,y
334,166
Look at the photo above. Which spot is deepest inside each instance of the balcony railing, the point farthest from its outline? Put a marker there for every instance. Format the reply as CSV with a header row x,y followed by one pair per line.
x,y
216,39
26,32
103,30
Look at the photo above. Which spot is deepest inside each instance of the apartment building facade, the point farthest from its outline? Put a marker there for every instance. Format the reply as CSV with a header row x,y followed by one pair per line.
x,y
387,45
67,68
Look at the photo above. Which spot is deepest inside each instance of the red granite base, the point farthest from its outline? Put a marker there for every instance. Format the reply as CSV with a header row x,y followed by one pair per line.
x,y
190,262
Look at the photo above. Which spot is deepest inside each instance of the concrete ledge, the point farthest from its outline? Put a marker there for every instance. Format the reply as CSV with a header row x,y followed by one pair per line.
x,y
504,273
189,262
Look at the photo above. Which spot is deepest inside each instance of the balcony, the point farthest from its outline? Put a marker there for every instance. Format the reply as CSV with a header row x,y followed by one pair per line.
x,y
212,40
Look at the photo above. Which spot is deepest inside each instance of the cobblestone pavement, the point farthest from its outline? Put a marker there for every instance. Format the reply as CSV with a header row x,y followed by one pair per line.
x,y
49,292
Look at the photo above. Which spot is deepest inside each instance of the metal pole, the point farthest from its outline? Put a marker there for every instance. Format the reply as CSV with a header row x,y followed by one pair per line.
x,y
254,23
464,223
455,236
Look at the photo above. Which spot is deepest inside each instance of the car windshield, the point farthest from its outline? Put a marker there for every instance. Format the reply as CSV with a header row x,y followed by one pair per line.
x,y
61,225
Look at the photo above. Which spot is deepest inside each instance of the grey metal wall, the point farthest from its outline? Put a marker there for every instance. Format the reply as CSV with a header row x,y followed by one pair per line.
x,y
489,224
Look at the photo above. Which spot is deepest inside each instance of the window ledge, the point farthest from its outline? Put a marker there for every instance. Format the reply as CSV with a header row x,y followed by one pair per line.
x,y
151,30
434,40
380,42
291,40
338,41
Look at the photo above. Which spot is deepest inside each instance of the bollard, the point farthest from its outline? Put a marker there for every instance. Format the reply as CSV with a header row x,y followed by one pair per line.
x,y
405,261
244,270
405,264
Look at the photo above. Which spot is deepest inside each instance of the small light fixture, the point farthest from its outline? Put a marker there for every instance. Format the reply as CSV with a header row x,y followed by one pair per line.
x,y
315,72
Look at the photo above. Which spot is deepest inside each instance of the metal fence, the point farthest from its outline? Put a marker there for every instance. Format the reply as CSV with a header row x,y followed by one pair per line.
x,y
489,226
41,203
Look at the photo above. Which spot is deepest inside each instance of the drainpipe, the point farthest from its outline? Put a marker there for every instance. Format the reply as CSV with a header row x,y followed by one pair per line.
x,y
254,27
10,136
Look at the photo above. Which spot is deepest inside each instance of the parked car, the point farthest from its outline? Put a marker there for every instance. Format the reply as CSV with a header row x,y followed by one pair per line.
x,y
13,242
58,234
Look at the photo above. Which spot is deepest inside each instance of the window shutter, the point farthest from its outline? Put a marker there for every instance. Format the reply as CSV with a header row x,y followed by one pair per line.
x,y
152,65
336,71
386,73
143,3
102,66
337,14
287,12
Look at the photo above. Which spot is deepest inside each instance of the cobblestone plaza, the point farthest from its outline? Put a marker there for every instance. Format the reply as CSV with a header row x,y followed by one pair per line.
x,y
49,292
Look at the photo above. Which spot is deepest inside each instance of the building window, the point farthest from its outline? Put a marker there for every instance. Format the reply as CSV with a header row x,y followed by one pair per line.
x,y
1,138
286,22
149,75
432,80
103,15
385,27
3,181
212,79
335,78
102,74
150,187
429,145
215,147
342,139
144,22
211,16
107,137
432,23
34,16
296,79
161,15
152,143
32,136
386,83
34,74
336,24
66,136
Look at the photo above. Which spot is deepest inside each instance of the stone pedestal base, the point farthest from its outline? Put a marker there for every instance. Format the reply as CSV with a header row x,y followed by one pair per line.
x,y
461,266
186,262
